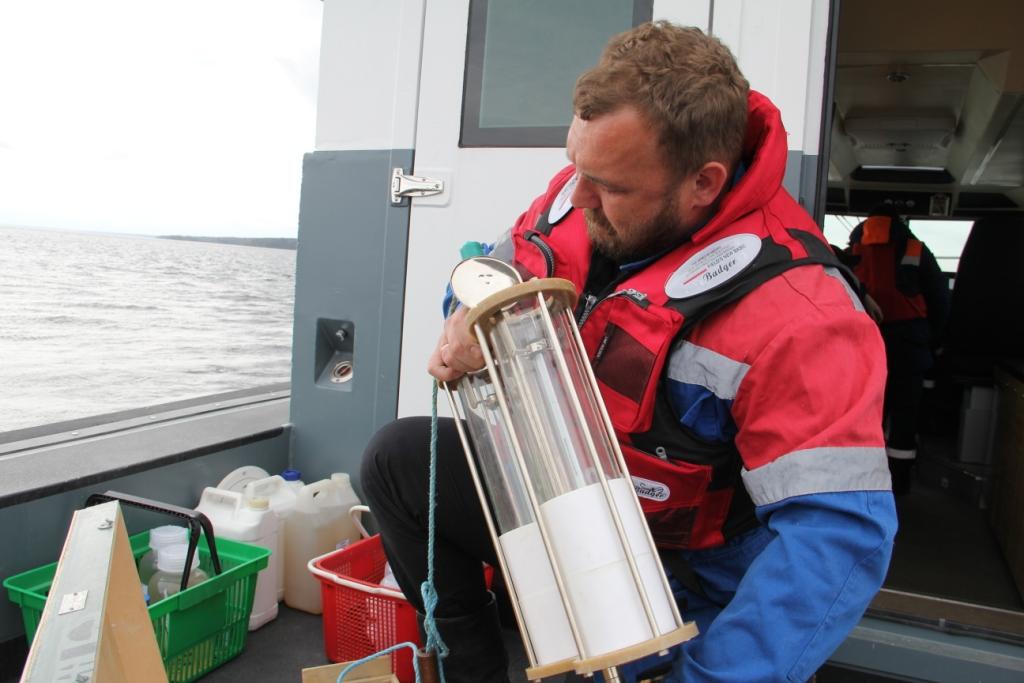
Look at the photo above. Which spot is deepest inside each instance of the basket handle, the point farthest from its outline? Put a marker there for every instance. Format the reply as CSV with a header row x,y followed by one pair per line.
x,y
356,513
195,519
361,586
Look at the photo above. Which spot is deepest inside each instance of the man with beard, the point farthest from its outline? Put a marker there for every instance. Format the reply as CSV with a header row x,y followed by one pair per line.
x,y
740,372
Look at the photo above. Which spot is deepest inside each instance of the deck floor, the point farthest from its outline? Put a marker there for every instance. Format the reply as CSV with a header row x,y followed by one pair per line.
x,y
945,545
281,649
945,548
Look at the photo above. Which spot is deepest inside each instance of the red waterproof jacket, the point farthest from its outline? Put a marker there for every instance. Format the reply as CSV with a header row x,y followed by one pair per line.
x,y
744,310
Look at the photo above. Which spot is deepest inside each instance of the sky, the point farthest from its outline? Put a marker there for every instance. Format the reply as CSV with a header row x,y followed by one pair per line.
x,y
172,117
157,117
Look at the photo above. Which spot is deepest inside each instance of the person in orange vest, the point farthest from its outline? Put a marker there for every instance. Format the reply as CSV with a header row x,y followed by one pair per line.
x,y
900,273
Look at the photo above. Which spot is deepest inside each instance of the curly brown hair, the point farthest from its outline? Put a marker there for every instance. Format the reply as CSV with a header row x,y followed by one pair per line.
x,y
686,84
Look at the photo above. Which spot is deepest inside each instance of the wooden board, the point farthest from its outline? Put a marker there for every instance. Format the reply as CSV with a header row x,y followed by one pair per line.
x,y
374,671
634,652
586,667
95,625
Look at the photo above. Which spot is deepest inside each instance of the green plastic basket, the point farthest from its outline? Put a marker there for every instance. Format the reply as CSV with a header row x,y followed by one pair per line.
x,y
197,629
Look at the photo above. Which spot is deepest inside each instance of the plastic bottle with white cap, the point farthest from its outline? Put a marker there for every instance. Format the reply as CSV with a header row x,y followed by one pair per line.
x,y
160,537
170,564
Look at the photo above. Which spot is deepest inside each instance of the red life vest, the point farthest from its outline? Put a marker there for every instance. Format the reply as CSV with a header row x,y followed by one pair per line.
x,y
690,489
887,261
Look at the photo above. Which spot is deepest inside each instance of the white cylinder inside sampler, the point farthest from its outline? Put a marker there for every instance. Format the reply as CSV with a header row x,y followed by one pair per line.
x,y
539,601
602,593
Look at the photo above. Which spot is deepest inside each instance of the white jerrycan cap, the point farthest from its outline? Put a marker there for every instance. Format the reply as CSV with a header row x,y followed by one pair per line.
x,y
172,558
163,536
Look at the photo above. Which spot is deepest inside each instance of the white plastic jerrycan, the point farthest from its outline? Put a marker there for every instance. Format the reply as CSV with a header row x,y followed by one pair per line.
x,y
318,524
250,521
281,496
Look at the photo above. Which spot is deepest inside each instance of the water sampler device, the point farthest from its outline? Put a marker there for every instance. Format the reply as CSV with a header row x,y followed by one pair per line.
x,y
585,581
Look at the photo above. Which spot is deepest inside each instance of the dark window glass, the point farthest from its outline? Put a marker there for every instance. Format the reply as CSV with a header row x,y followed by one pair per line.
x,y
523,59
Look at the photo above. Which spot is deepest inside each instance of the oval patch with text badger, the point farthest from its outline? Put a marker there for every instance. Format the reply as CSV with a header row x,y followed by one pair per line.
x,y
714,264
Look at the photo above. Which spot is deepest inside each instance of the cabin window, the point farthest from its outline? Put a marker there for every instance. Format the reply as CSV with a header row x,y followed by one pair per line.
x,y
522,60
945,238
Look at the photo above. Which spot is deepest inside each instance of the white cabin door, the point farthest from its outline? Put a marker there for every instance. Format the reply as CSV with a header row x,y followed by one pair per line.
x,y
516,70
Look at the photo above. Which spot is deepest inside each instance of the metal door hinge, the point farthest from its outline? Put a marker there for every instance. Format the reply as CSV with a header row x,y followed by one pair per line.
x,y
403,185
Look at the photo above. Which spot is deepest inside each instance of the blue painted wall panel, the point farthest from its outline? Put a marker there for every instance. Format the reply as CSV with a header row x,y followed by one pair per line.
x,y
350,267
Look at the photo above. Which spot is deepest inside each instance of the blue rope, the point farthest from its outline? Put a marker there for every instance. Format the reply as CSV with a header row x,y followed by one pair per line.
x,y
427,590
411,646
434,640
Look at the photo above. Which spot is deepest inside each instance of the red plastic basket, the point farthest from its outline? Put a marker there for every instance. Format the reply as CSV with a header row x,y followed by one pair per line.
x,y
360,616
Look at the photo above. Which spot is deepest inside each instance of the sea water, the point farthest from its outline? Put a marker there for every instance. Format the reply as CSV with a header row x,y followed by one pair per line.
x,y
94,323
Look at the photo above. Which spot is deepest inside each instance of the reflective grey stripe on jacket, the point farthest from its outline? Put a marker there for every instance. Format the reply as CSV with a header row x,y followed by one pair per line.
x,y
692,364
830,469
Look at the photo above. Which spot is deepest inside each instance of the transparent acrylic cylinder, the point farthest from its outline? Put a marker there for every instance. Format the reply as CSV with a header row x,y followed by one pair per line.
x,y
561,441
